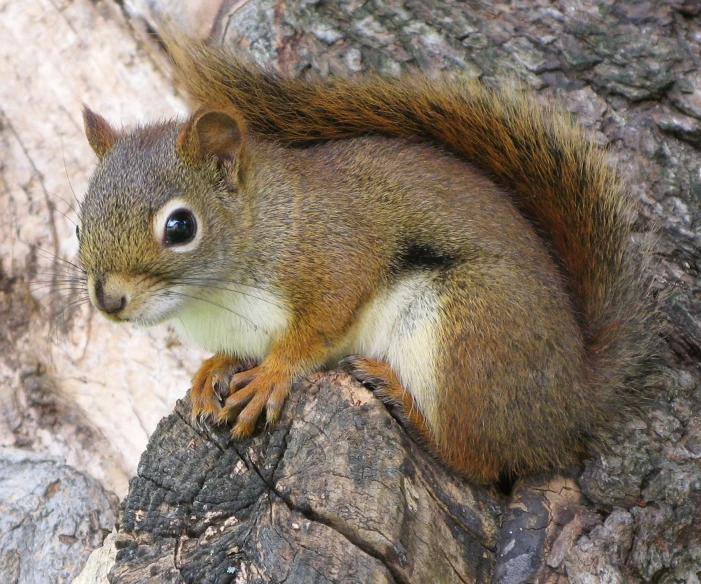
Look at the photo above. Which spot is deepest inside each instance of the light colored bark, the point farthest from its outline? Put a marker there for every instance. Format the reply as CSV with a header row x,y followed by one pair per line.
x,y
53,56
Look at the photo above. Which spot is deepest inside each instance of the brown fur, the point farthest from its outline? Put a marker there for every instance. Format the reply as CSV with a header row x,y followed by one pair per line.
x,y
559,180
544,310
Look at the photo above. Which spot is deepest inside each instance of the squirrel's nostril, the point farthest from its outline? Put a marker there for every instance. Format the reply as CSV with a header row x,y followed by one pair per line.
x,y
113,304
109,303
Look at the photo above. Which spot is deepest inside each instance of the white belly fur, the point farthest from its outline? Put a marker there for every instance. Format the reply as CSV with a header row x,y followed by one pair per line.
x,y
400,326
241,322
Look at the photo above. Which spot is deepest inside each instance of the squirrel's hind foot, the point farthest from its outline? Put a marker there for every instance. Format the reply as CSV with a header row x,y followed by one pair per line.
x,y
381,379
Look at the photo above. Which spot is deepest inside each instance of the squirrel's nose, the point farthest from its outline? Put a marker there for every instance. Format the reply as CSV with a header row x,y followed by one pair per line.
x,y
109,303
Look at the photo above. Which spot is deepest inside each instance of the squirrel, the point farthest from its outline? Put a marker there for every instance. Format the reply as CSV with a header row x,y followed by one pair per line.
x,y
463,251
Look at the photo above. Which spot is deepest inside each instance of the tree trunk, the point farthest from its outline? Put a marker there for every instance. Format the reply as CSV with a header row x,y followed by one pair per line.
x,y
336,492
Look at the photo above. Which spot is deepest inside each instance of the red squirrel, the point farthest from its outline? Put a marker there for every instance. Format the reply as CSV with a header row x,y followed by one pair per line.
x,y
464,251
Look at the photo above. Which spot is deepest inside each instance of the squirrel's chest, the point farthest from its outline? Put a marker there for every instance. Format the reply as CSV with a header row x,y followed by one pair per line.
x,y
239,322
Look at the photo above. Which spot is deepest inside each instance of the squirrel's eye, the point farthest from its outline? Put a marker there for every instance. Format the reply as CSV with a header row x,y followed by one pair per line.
x,y
180,227
77,232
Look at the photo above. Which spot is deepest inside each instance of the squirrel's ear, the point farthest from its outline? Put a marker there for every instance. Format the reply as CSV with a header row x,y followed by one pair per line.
x,y
100,134
210,132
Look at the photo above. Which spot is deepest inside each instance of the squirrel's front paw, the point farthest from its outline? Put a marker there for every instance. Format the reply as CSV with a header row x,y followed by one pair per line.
x,y
254,390
210,386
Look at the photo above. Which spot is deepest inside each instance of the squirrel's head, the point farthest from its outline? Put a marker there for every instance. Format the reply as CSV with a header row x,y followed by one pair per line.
x,y
152,224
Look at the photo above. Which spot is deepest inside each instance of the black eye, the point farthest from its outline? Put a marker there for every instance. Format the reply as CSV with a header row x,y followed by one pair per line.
x,y
180,227
77,232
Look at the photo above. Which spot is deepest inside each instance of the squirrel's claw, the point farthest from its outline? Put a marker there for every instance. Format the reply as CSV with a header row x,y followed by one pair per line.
x,y
369,372
201,422
210,387
381,379
260,390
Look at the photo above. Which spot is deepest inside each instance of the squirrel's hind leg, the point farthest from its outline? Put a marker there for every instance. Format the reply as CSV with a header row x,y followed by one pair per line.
x,y
384,383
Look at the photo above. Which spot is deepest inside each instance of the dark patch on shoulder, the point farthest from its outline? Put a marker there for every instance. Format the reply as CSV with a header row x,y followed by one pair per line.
x,y
421,256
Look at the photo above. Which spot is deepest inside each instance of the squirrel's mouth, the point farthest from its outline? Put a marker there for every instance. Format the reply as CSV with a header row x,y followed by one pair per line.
x,y
136,298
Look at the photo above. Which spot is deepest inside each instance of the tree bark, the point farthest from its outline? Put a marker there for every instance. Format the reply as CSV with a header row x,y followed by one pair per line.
x,y
344,496
336,491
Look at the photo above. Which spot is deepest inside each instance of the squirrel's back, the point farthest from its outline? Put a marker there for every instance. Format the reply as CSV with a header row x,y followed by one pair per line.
x,y
560,181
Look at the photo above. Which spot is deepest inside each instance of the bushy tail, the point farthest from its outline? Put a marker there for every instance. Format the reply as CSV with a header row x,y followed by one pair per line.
x,y
559,180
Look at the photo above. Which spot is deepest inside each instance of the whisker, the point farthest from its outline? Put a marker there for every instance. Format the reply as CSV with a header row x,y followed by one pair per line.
x,y
62,213
61,287
62,273
70,306
41,277
170,278
266,289
207,301
51,256
57,314
60,299
220,280
58,270
57,285
57,258
50,300
213,284
70,185
60,318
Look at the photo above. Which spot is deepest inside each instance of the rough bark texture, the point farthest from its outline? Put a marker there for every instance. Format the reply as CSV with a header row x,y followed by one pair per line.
x,y
336,492
309,500
51,517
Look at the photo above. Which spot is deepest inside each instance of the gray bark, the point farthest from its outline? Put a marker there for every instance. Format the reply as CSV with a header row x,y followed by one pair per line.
x,y
629,70
337,492
51,518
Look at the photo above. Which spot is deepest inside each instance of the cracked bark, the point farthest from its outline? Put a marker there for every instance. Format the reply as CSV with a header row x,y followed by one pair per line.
x,y
357,501
304,501
336,492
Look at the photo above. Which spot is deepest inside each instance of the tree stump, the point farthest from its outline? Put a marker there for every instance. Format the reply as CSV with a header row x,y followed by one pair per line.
x,y
333,492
